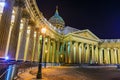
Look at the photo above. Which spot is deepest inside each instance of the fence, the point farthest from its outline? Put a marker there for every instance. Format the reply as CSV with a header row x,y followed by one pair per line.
x,y
10,69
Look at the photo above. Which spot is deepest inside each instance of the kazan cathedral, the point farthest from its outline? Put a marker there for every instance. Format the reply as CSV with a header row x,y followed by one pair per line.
x,y
20,38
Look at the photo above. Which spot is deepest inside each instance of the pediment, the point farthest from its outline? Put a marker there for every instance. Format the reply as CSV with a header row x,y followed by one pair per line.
x,y
86,34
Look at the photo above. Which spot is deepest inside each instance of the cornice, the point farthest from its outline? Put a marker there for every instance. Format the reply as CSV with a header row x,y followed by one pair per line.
x,y
37,15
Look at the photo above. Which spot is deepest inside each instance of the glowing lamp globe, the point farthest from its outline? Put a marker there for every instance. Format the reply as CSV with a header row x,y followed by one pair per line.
x,y
43,30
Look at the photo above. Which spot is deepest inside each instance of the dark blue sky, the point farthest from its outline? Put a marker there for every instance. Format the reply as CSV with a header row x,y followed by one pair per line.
x,y
102,17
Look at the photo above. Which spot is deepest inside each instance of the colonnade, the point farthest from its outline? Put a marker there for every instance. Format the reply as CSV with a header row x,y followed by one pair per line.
x,y
20,39
51,52
19,36
85,53
109,55
79,52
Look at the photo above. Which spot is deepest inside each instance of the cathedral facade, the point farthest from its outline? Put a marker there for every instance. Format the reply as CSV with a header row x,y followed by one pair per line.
x,y
20,38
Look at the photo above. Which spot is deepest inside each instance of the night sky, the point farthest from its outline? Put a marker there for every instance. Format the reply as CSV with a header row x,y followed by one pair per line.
x,y
102,17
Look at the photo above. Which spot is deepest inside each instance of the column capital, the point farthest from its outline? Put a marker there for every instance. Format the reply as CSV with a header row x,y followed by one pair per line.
x,y
25,14
31,22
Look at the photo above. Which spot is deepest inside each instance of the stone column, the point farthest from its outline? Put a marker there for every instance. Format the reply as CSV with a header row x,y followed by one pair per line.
x,y
69,57
108,55
20,53
44,49
31,40
48,54
53,51
20,38
105,56
15,31
27,43
74,52
115,56
58,52
93,54
5,26
100,56
62,55
87,53
34,44
80,52
31,44
10,30
83,53
37,45
112,56
66,52
118,55
71,52
96,54
77,52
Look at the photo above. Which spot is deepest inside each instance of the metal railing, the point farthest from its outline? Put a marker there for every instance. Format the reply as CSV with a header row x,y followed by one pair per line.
x,y
3,74
15,68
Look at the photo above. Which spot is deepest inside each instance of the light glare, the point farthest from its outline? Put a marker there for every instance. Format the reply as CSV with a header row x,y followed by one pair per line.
x,y
6,58
2,4
43,30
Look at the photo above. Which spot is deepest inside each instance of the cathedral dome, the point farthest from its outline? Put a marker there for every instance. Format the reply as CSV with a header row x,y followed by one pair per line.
x,y
57,21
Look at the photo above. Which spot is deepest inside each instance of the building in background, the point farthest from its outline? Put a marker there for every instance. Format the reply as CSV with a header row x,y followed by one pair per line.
x,y
20,24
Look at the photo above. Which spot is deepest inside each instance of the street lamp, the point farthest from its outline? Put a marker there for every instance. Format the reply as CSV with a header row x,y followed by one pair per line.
x,y
39,74
45,57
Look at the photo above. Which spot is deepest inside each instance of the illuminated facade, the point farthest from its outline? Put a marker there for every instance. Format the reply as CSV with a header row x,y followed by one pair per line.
x,y
20,24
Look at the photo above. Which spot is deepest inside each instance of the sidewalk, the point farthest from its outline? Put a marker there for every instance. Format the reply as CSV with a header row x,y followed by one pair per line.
x,y
54,73
30,74
26,75
72,73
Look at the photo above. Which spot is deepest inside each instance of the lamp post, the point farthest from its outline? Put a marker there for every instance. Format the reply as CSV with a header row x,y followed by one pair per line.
x,y
39,74
45,57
